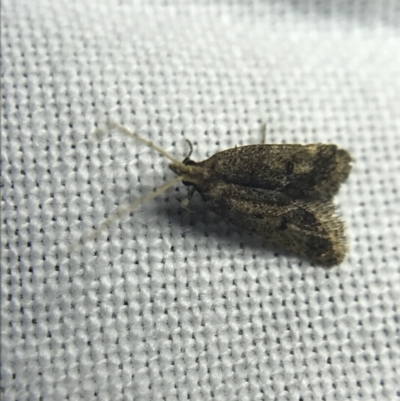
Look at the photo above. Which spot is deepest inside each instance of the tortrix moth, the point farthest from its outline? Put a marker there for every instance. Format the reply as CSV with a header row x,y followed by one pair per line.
x,y
281,192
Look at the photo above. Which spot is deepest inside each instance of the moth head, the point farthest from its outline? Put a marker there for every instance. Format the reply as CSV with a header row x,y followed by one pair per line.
x,y
188,171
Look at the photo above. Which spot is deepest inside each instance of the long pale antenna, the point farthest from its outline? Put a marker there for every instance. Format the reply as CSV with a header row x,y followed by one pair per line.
x,y
120,128
124,210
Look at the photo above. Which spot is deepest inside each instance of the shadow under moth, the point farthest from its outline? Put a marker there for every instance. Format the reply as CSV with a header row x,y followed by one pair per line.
x,y
283,193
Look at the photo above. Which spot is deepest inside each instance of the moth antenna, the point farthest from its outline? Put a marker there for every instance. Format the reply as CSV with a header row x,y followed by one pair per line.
x,y
190,151
124,210
120,128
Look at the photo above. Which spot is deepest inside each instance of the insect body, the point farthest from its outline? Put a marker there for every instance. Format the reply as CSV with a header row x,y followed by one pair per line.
x,y
281,192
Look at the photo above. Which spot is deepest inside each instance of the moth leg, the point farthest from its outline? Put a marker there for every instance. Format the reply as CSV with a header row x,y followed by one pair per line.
x,y
264,132
190,151
185,202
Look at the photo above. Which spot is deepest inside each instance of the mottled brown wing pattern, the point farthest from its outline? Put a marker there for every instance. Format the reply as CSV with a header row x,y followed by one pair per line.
x,y
281,192
307,228
313,171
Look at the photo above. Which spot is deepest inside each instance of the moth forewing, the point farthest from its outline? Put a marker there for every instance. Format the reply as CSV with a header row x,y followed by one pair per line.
x,y
313,171
310,229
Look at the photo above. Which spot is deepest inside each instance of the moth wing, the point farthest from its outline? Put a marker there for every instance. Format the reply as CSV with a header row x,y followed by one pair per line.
x,y
313,171
311,229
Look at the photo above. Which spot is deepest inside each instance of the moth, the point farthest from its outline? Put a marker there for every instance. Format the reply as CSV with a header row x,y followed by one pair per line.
x,y
282,192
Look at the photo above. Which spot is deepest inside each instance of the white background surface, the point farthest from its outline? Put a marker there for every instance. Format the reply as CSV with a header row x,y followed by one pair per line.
x,y
168,305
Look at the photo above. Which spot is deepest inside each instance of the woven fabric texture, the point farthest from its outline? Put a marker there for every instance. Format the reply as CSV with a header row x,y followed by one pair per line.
x,y
168,304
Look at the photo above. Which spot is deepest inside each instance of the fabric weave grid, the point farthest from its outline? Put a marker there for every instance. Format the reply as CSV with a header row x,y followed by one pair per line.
x,y
171,305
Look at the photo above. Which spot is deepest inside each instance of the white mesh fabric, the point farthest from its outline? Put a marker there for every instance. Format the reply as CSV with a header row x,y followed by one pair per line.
x,y
171,305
